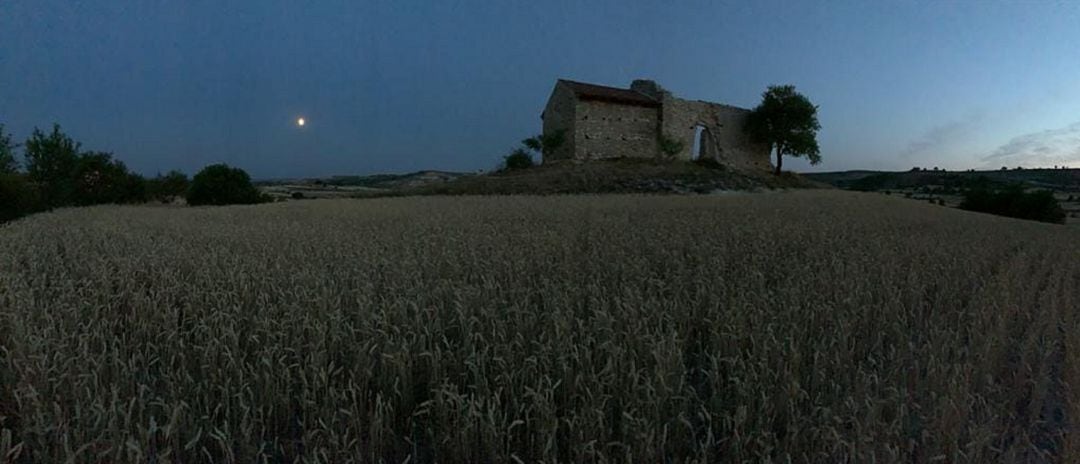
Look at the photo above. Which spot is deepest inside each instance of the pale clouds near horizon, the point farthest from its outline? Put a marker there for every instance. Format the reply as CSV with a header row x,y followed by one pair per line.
x,y
981,139
942,136
1046,148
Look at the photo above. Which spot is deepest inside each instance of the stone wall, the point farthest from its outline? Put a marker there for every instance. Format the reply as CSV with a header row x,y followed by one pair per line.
x,y
559,116
723,137
613,130
601,129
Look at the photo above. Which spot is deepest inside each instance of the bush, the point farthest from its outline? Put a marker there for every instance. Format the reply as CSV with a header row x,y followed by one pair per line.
x,y
669,145
66,176
518,159
99,179
1015,202
8,164
51,161
166,188
219,184
18,197
546,144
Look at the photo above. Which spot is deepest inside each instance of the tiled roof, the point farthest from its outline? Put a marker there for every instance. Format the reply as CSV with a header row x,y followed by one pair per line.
x,y
609,94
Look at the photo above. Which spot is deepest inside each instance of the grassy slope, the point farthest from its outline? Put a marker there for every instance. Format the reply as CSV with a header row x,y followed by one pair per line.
x,y
616,176
813,326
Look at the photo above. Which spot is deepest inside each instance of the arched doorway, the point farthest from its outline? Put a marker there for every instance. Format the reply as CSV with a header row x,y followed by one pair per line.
x,y
700,148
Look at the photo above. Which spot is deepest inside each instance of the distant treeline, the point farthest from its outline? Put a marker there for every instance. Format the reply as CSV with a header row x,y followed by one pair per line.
x,y
1014,201
980,193
1055,179
56,173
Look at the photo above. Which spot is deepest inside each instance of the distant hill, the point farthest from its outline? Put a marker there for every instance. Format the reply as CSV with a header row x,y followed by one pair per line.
x,y
388,181
371,181
347,186
1061,180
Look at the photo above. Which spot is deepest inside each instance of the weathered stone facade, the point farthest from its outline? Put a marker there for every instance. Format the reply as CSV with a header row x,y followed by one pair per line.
x,y
607,122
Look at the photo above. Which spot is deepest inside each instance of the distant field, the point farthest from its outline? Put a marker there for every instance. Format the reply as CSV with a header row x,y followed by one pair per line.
x,y
813,326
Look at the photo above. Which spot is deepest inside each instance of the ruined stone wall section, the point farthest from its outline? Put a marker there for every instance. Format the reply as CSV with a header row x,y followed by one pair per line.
x,y
559,115
610,130
726,141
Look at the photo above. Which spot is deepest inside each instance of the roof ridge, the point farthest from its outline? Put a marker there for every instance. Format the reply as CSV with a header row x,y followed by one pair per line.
x,y
586,90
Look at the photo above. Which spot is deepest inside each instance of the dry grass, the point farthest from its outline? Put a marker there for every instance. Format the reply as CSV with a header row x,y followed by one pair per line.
x,y
608,176
791,327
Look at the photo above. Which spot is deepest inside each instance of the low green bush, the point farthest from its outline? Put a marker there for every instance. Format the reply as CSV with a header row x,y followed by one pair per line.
x,y
518,159
18,197
1014,201
166,188
220,184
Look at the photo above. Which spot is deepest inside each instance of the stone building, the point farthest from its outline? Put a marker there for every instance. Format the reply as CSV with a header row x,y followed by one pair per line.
x,y
600,122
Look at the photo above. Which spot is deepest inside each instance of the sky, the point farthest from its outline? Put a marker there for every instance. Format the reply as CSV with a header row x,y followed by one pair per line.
x,y
399,86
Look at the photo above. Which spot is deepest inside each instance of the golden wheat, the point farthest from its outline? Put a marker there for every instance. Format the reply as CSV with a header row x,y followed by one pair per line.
x,y
786,327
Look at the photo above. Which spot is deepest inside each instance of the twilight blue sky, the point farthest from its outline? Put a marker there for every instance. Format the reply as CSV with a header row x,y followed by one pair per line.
x,y
405,85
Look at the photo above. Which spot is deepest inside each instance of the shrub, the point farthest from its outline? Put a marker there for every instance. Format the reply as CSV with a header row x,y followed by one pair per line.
x,y
669,145
98,179
1014,202
18,197
220,184
166,188
298,195
546,144
51,161
8,164
66,176
518,159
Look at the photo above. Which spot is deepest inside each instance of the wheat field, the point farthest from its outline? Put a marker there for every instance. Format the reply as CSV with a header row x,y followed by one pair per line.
x,y
815,326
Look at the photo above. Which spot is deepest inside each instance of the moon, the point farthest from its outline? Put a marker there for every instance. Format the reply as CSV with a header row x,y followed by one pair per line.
x,y
300,122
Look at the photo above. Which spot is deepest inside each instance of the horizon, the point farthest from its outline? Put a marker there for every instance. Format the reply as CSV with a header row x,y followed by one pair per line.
x,y
406,87
922,169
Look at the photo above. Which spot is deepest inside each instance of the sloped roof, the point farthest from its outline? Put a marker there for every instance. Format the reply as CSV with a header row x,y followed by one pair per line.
x,y
609,94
